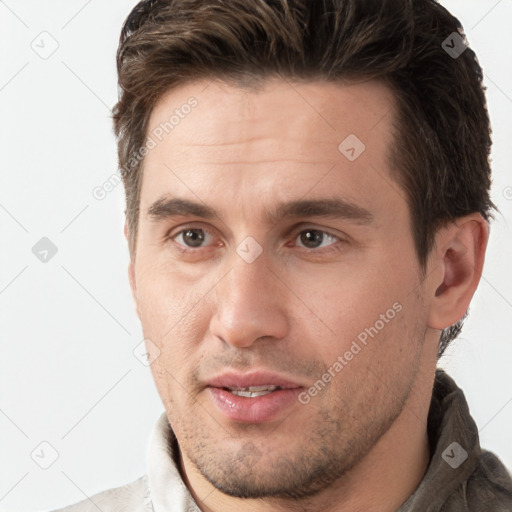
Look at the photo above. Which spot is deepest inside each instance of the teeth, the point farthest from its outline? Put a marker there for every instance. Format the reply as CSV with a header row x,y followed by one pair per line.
x,y
253,391
249,394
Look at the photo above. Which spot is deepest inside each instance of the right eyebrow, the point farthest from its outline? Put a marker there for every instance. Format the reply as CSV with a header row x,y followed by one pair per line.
x,y
165,208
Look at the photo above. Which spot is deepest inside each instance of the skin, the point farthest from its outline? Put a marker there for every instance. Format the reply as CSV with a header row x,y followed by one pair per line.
x,y
361,442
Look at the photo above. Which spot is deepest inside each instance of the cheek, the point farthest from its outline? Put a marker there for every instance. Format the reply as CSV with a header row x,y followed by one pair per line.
x,y
173,318
177,348
344,302
164,300
372,303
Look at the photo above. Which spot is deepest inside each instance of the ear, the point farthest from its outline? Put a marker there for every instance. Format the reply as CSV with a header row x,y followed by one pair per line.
x,y
131,270
458,260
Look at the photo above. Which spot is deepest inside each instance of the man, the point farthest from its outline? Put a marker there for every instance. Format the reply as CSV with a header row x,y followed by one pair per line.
x,y
307,214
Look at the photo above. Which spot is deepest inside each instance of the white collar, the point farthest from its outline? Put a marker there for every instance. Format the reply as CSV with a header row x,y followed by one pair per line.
x,y
167,489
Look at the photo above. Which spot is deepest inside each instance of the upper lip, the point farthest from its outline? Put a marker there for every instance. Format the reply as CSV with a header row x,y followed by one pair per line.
x,y
246,380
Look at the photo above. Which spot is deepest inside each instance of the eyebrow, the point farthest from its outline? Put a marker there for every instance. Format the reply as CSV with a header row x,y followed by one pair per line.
x,y
335,208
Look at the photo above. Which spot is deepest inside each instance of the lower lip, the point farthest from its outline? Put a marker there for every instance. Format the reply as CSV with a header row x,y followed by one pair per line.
x,y
254,410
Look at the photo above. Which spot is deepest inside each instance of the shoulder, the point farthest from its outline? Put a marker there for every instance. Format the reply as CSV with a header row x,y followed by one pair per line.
x,y
489,488
490,485
131,497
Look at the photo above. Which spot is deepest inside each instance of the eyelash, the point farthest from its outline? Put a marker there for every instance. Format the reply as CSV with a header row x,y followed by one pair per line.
x,y
189,250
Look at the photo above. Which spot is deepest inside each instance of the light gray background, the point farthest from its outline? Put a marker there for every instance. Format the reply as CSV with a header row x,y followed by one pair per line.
x,y
68,326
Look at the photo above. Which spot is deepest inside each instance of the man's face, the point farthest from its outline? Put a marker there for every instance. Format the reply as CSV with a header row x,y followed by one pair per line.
x,y
261,284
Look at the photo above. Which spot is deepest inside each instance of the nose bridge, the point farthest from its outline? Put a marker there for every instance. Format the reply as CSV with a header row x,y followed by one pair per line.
x,y
249,304
250,284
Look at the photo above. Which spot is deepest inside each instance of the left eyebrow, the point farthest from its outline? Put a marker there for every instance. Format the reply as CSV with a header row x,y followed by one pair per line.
x,y
329,208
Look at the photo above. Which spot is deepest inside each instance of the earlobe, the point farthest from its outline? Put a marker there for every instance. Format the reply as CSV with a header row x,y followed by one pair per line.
x,y
131,277
131,271
133,286
459,252
126,230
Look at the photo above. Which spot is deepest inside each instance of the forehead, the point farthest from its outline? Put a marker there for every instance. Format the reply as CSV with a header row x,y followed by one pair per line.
x,y
282,141
326,108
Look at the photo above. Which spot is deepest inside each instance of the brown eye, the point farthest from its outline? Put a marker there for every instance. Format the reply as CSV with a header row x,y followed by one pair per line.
x,y
314,238
192,237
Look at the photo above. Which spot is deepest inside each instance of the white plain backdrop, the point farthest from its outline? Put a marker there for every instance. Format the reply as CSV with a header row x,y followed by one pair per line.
x,y
68,375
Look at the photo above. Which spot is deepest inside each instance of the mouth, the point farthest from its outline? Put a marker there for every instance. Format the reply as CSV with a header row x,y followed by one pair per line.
x,y
255,398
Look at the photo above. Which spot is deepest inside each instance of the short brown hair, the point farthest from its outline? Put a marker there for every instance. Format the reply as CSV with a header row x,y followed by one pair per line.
x,y
442,141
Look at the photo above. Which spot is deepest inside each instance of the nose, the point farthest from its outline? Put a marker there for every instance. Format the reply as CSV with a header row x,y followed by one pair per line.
x,y
250,304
